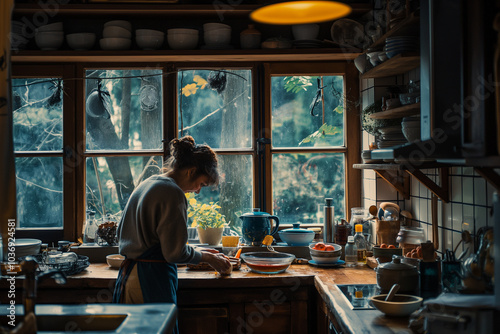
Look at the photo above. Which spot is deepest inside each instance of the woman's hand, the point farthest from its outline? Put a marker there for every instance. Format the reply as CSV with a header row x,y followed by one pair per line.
x,y
218,261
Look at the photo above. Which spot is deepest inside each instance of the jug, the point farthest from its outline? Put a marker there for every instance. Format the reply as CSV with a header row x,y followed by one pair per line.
x,y
256,225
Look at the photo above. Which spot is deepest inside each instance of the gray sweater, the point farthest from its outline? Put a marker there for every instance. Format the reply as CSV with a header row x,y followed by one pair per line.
x,y
156,213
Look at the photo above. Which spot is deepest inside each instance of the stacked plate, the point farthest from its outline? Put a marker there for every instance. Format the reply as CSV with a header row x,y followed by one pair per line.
x,y
117,35
18,41
390,136
400,44
411,128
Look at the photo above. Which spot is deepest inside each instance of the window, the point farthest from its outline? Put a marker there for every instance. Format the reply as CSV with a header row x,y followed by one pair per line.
x,y
86,136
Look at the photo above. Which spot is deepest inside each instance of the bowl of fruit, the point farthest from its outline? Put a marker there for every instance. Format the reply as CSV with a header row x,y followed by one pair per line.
x,y
325,253
384,253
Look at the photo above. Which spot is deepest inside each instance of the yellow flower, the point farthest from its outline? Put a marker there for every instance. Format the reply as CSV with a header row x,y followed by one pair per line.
x,y
189,89
192,201
200,81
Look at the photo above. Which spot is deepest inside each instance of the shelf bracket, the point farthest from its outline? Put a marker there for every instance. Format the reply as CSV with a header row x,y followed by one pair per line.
x,y
489,175
441,191
401,185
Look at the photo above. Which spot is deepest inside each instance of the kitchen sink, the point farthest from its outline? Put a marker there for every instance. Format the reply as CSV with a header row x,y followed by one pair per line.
x,y
99,318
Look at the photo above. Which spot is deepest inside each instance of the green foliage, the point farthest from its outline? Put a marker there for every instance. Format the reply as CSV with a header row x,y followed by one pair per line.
x,y
296,84
318,137
204,215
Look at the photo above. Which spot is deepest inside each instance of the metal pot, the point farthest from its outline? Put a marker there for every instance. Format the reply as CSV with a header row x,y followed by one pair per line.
x,y
390,273
256,225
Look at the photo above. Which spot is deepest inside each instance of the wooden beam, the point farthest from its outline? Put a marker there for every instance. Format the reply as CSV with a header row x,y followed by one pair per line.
x,y
440,191
401,186
489,175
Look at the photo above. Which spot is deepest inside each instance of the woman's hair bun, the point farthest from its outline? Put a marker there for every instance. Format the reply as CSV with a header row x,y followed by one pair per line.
x,y
182,147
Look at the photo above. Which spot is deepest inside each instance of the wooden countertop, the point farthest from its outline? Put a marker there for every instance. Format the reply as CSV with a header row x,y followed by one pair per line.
x,y
99,275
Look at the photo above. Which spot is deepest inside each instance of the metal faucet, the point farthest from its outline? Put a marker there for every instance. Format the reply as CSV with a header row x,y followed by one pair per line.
x,y
29,266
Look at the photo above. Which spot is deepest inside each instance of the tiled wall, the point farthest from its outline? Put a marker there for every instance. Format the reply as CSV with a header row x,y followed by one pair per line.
x,y
470,195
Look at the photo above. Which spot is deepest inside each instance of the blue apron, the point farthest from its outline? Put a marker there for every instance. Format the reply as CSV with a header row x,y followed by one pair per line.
x,y
157,277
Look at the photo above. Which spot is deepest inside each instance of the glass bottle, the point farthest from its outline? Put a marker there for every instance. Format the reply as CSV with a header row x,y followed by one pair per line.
x,y
351,252
360,242
90,228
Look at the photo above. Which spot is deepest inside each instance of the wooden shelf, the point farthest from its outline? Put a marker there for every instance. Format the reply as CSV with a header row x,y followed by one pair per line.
x,y
403,111
398,64
66,56
408,27
224,9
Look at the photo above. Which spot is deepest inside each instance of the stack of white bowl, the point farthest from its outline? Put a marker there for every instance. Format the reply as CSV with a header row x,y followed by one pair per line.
x,y
217,36
81,40
117,35
50,36
411,128
17,39
182,38
148,39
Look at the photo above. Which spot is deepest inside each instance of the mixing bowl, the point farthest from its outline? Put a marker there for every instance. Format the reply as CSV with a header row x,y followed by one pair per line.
x,y
326,257
268,262
399,306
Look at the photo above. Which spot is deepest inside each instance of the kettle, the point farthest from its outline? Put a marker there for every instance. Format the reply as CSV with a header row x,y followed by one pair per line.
x,y
256,225
390,273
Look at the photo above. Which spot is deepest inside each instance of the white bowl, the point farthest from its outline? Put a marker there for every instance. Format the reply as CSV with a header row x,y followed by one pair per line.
x,y
115,43
305,31
182,41
25,247
149,32
50,40
147,42
115,260
116,31
183,31
217,37
120,23
214,26
400,306
81,41
56,26
325,259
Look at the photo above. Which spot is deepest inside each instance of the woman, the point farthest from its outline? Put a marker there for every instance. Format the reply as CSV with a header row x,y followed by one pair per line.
x,y
153,228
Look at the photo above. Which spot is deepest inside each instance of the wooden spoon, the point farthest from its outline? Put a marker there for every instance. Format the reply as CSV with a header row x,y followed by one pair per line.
x,y
392,292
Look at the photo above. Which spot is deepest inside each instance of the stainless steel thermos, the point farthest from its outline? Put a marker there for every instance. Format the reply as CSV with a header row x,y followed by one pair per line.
x,y
329,225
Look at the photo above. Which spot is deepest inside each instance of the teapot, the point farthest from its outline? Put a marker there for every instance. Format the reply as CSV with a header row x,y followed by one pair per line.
x,y
256,225
390,273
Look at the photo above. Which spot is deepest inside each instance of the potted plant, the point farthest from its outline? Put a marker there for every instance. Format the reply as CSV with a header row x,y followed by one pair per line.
x,y
207,219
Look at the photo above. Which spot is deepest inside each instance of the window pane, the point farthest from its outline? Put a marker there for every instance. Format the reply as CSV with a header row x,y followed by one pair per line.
x,y
235,191
124,109
301,117
111,180
302,181
39,189
37,114
215,107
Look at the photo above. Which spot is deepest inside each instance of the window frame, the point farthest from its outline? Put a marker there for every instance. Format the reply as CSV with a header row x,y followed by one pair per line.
x,y
74,154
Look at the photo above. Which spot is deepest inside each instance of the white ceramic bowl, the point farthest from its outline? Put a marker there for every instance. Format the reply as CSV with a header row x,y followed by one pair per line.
x,y
115,43
325,257
182,31
182,41
400,306
25,247
120,23
215,26
116,31
147,42
81,41
115,260
217,37
149,32
50,40
56,26
305,31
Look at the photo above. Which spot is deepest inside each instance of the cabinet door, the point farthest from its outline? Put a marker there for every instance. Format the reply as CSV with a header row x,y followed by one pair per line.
x,y
203,320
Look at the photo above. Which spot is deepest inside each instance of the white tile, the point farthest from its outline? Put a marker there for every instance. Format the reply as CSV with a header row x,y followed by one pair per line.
x,y
491,218
456,189
414,186
479,191
480,216
446,237
385,191
369,174
385,81
490,191
424,192
456,212
447,215
415,202
468,170
468,190
468,214
456,171
425,207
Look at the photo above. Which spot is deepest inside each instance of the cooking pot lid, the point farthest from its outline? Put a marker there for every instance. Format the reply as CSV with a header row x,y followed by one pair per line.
x,y
256,212
396,264
296,230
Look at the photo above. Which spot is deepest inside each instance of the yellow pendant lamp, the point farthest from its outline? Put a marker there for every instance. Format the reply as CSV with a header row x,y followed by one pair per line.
x,y
300,12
